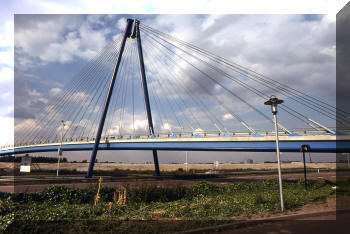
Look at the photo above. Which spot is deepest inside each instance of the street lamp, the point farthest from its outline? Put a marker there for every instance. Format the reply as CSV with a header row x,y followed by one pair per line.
x,y
273,102
60,148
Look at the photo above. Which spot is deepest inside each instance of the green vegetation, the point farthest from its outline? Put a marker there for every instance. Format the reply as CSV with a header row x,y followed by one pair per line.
x,y
63,209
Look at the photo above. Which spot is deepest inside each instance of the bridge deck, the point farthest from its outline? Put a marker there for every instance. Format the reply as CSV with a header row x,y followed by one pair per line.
x,y
321,143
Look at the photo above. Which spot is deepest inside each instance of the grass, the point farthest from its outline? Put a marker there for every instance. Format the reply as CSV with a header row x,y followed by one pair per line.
x,y
149,208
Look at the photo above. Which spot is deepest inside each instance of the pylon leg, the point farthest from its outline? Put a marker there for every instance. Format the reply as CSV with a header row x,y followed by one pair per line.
x,y
108,98
156,163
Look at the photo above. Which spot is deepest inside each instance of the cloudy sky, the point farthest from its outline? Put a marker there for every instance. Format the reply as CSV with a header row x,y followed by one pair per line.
x,y
298,50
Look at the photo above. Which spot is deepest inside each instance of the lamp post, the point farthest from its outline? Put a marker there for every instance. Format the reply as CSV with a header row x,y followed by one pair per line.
x,y
305,148
273,102
60,148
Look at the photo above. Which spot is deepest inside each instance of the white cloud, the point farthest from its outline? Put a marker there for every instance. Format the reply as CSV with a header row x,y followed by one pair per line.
x,y
58,38
166,126
78,97
209,21
227,117
24,124
55,91
35,95
263,44
139,124
65,126
121,23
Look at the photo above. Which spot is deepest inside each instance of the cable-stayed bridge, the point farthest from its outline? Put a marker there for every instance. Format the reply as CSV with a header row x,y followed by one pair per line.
x,y
163,93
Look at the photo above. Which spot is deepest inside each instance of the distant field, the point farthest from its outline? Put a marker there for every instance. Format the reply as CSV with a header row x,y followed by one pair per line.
x,y
173,167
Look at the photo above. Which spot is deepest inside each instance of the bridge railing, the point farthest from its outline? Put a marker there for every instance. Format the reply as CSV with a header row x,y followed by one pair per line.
x,y
186,134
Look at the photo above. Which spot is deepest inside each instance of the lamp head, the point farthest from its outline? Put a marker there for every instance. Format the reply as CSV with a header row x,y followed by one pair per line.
x,y
273,102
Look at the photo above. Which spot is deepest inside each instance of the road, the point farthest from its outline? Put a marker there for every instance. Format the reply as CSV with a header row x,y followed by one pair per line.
x,y
335,224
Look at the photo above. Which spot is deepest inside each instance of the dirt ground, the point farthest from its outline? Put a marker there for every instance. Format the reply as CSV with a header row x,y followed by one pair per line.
x,y
173,167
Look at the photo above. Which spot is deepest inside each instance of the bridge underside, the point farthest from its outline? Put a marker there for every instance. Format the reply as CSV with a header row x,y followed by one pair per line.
x,y
324,146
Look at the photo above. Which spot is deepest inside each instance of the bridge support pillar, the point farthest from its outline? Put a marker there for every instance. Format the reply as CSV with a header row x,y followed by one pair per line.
x,y
145,92
127,34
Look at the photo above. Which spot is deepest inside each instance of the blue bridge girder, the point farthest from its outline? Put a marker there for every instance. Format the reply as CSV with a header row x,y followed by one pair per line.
x,y
321,144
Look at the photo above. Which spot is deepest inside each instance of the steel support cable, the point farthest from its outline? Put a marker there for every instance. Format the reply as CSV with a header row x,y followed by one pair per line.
x,y
237,80
175,85
73,116
97,93
137,76
296,100
175,101
83,78
110,115
208,76
96,97
86,87
115,95
39,123
157,102
169,103
154,62
156,68
160,87
197,102
98,88
65,106
250,88
120,91
257,92
133,100
218,101
88,108
203,105
93,110
97,104
122,113
129,76
68,87
100,72
67,93
187,74
58,108
178,96
245,70
155,98
142,92
318,105
92,129
124,94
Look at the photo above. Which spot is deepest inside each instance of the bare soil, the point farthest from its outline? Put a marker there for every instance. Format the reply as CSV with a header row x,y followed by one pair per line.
x,y
173,167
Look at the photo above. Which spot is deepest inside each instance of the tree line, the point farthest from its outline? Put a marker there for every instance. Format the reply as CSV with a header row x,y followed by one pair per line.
x,y
37,159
